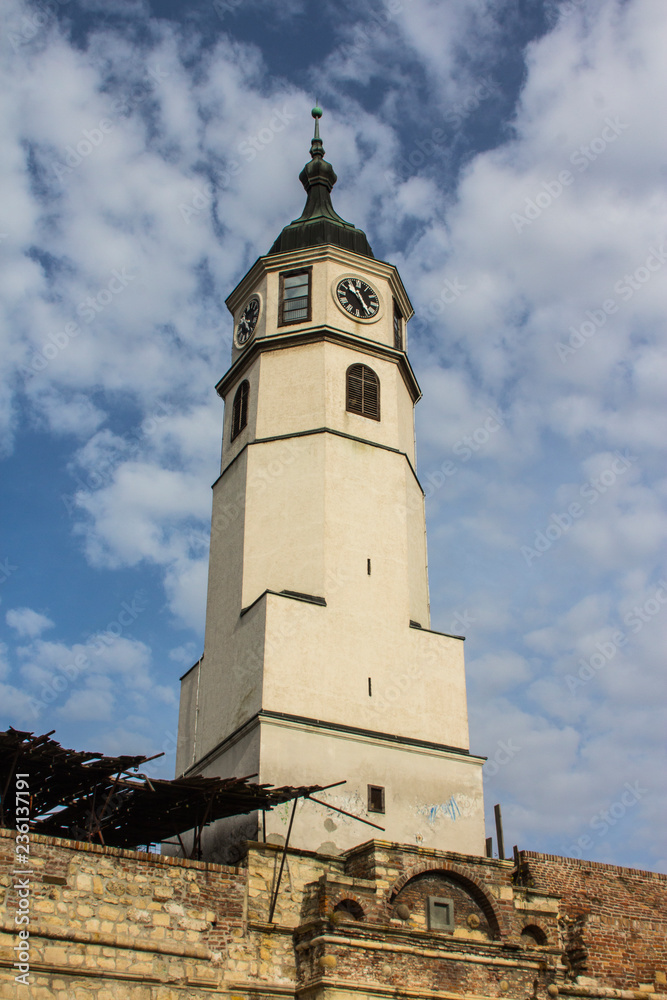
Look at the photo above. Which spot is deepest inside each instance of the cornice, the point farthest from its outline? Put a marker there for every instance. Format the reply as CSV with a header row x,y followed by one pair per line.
x,y
314,335
314,255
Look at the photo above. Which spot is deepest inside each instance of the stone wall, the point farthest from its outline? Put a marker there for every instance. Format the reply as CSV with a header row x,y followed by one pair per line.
x,y
107,923
110,924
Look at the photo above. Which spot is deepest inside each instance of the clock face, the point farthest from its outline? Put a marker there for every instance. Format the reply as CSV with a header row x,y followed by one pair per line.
x,y
357,298
247,323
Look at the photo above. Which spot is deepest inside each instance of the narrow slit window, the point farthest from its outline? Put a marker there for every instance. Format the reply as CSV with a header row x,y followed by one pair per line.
x,y
294,297
240,409
398,328
363,391
368,566
375,799
370,688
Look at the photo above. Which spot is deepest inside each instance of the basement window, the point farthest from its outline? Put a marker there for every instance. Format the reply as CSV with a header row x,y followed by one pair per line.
x,y
294,297
240,409
362,391
375,799
440,913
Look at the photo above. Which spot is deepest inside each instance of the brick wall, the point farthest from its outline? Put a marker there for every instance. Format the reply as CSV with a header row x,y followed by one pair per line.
x,y
614,920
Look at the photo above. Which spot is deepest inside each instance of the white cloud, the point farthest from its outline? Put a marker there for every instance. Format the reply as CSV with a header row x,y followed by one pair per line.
x,y
27,622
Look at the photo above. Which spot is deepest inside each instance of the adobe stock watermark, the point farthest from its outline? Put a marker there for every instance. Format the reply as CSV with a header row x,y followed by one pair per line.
x,y
258,483
560,523
381,698
36,17
462,620
602,822
558,11
625,288
66,674
92,138
225,7
102,474
606,650
374,26
89,309
506,750
22,885
204,195
465,448
6,569
581,158
429,145
451,290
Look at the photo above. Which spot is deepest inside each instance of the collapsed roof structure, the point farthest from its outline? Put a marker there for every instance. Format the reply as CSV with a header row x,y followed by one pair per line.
x,y
88,796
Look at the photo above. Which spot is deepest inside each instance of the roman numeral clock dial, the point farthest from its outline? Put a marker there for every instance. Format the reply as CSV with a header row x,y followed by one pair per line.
x,y
247,322
357,298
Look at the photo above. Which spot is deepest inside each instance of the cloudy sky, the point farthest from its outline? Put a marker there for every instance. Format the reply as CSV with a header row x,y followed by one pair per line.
x,y
509,157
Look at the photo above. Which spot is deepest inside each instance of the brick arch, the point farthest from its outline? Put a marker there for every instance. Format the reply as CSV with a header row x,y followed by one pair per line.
x,y
340,895
535,931
468,880
351,904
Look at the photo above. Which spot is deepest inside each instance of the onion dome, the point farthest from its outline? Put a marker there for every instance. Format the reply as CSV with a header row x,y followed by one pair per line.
x,y
318,223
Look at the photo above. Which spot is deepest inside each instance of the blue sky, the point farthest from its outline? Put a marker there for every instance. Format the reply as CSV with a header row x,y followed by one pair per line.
x,y
509,159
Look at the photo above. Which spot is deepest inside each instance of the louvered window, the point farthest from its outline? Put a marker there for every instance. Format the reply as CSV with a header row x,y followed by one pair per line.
x,y
398,328
240,409
294,297
363,391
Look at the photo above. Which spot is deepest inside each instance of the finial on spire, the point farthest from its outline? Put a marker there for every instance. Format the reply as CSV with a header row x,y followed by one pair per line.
x,y
317,114
316,147
318,223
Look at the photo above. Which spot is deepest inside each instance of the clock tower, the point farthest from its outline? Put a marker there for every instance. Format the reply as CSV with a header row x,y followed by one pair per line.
x,y
320,665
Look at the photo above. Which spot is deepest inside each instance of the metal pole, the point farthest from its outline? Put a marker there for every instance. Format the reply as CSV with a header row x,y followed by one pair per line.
x,y
328,805
282,863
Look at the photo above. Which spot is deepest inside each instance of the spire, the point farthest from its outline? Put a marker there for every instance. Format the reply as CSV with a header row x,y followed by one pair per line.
x,y
319,223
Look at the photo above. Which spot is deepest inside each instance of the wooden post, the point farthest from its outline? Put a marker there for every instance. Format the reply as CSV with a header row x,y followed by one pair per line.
x,y
499,832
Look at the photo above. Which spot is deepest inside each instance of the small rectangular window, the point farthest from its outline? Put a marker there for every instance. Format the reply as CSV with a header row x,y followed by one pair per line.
x,y
375,799
370,688
294,297
440,913
398,328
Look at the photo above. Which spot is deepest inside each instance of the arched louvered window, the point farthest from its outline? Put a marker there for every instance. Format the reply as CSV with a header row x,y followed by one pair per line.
x,y
240,409
363,391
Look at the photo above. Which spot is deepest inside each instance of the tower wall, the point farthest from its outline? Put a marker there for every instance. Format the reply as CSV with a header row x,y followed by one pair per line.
x,y
319,665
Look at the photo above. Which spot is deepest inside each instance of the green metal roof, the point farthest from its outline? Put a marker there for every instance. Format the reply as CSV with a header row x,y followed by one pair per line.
x,y
319,223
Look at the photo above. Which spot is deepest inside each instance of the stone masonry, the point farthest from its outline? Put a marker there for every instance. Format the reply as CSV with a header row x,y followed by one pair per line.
x,y
111,924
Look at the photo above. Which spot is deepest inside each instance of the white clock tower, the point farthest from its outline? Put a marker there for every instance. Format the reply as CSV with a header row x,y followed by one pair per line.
x,y
320,664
